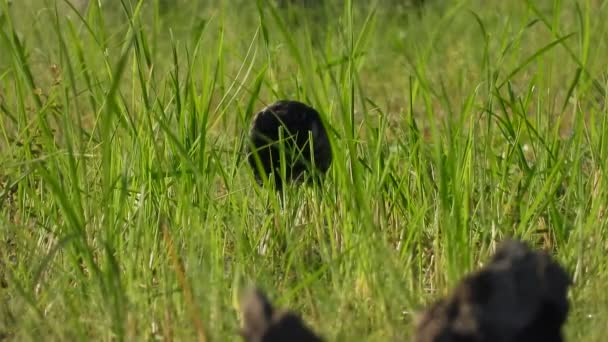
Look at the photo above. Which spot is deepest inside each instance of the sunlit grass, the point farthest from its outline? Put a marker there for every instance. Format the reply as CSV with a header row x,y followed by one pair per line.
x,y
128,211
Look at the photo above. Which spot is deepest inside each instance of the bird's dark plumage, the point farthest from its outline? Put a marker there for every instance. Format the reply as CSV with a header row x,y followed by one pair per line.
x,y
520,295
300,124
264,323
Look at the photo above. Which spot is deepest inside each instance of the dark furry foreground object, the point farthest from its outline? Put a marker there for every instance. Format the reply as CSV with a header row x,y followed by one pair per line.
x,y
297,121
519,296
263,323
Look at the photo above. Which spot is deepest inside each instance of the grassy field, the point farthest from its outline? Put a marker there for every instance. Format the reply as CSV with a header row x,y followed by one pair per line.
x,y
128,211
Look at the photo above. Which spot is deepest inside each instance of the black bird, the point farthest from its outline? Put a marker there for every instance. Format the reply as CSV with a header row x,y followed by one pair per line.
x,y
264,323
300,125
520,295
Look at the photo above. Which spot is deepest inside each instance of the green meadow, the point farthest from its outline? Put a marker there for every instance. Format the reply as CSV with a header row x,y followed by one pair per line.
x,y
128,210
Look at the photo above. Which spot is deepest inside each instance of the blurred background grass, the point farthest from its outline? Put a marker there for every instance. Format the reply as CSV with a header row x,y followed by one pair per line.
x,y
454,124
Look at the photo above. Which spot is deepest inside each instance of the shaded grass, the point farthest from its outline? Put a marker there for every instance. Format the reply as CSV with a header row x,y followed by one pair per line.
x,y
451,130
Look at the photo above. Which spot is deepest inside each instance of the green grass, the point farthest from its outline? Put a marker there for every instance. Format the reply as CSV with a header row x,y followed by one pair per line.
x,y
128,211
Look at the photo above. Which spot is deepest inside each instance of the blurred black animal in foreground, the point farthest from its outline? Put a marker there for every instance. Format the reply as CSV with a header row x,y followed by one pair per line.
x,y
263,323
296,129
519,296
